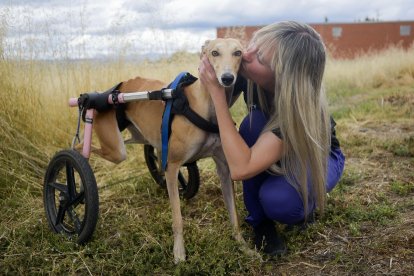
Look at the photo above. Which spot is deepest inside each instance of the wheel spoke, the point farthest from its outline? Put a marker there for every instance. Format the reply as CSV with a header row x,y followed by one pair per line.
x,y
60,187
70,178
78,199
182,181
60,215
75,219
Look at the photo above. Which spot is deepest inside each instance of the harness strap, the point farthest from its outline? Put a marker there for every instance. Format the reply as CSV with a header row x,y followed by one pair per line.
x,y
165,124
200,121
182,107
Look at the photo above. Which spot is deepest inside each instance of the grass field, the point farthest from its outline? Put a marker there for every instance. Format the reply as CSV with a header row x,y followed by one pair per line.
x,y
368,228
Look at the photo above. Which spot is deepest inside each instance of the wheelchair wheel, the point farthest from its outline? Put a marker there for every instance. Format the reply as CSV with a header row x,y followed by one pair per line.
x,y
70,196
188,176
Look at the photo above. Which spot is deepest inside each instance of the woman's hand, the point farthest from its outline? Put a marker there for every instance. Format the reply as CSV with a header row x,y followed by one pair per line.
x,y
209,79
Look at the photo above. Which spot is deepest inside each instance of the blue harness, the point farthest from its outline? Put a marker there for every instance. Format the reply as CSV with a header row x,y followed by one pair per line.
x,y
166,117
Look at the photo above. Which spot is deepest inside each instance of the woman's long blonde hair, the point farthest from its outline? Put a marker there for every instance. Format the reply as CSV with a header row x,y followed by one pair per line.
x,y
298,107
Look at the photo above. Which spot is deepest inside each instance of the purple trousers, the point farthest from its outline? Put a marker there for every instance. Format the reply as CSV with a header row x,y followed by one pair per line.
x,y
269,196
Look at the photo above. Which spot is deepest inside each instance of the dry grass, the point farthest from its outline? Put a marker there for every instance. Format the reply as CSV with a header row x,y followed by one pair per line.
x,y
367,229
391,68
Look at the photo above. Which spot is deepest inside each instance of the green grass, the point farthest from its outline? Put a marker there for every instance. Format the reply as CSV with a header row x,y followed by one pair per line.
x,y
367,228
402,188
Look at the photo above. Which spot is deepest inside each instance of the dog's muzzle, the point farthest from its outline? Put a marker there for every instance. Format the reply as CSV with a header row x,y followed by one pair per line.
x,y
227,79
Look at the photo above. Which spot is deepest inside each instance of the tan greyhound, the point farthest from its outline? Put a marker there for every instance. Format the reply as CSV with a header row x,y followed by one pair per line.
x,y
187,142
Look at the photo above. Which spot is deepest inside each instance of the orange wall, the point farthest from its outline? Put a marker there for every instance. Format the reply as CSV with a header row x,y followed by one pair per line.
x,y
355,38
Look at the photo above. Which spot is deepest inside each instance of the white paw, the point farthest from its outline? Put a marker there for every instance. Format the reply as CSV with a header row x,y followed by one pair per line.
x,y
179,252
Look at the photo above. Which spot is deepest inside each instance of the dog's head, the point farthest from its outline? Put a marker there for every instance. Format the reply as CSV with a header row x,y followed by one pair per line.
x,y
225,55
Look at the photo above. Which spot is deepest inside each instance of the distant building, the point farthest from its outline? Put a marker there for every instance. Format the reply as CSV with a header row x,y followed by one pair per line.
x,y
347,40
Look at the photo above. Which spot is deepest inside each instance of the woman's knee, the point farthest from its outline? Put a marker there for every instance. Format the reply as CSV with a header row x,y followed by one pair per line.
x,y
281,202
335,169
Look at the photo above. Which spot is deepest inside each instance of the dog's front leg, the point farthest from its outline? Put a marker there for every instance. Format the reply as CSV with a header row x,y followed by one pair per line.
x,y
227,187
177,220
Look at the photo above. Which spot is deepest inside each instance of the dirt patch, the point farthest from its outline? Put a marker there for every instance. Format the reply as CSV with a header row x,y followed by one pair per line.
x,y
386,129
400,100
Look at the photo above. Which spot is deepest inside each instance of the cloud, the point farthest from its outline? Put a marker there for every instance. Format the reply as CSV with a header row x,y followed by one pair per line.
x,y
164,26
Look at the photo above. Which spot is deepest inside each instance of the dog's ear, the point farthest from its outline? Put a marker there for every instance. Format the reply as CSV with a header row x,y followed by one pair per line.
x,y
204,48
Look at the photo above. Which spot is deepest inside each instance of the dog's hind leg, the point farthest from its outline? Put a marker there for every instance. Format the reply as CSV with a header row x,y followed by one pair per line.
x,y
110,138
171,175
79,147
136,136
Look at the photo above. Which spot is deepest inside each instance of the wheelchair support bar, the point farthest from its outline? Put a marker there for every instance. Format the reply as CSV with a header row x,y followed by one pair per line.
x,y
163,94
146,95
87,140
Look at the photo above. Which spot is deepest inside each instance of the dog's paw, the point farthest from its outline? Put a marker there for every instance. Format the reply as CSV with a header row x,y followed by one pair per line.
x,y
179,251
252,253
179,257
238,237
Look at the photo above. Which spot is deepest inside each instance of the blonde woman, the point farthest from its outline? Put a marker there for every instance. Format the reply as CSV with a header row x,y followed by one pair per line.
x,y
285,151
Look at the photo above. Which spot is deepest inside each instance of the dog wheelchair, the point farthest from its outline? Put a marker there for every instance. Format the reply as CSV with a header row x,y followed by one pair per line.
x,y
70,192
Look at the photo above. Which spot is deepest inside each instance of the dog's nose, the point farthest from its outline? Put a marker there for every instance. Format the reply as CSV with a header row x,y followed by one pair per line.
x,y
227,79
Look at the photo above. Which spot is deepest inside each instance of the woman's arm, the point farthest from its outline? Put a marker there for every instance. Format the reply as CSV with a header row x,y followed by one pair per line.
x,y
244,162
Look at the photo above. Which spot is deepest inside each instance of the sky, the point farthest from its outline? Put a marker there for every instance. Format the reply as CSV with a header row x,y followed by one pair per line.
x,y
54,29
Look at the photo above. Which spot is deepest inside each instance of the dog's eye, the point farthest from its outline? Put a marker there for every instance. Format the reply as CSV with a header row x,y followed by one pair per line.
x,y
215,53
238,53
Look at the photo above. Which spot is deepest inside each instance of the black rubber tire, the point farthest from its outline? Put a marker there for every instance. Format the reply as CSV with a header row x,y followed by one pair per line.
x,y
188,187
70,196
